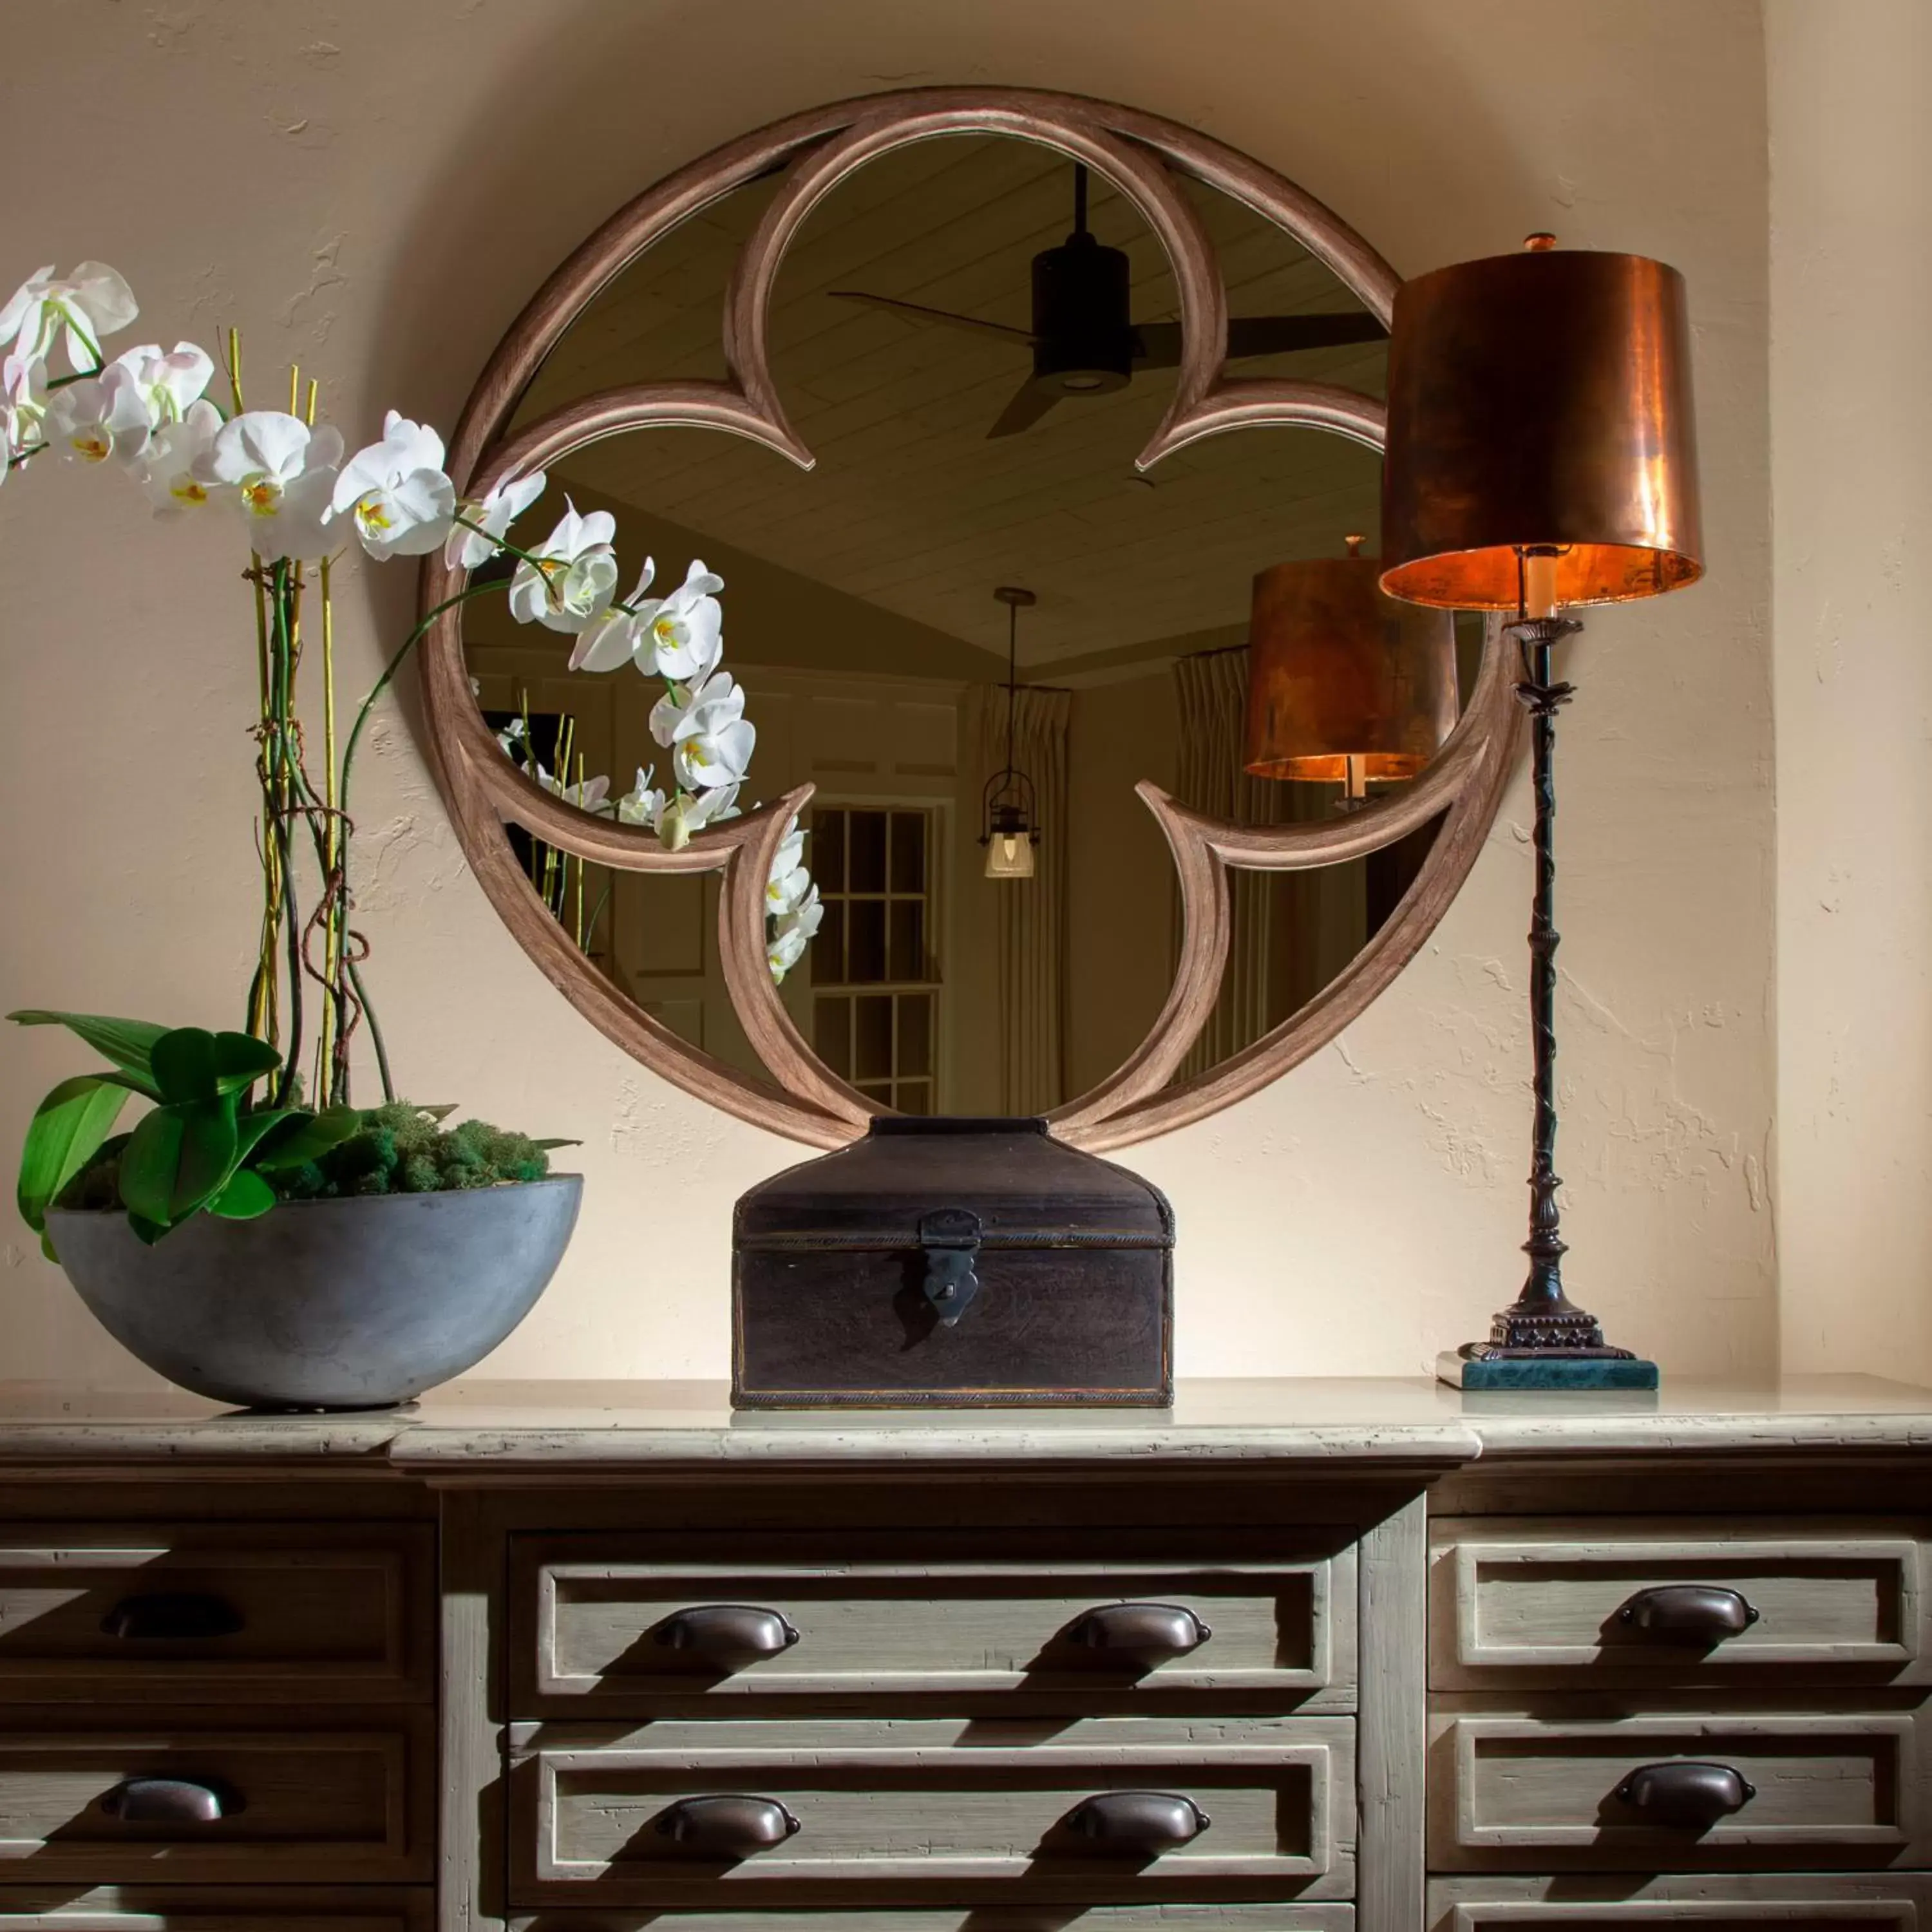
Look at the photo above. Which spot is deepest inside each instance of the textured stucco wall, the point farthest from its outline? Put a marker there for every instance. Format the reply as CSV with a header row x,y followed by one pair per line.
x,y
376,189
1851,210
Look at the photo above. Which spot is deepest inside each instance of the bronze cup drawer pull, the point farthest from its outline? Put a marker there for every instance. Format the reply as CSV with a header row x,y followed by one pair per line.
x,y
1140,1632
1686,1796
1138,1824
1689,1613
171,1616
728,1825
170,1801
729,1633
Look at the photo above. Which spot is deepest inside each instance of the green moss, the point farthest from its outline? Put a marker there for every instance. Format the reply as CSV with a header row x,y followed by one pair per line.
x,y
403,1151
398,1150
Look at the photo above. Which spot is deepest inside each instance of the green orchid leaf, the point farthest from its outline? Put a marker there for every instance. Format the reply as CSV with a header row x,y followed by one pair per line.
x,y
128,1043
251,1129
313,1135
184,1059
246,1195
65,1133
145,1232
177,1160
240,1059
47,1247
551,1147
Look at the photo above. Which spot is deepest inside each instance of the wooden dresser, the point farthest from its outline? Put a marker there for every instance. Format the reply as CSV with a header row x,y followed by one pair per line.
x,y
1294,1657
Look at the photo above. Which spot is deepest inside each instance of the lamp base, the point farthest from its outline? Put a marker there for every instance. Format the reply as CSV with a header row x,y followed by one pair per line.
x,y
1480,1366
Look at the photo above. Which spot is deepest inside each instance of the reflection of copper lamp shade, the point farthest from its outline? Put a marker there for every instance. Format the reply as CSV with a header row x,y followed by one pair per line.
x,y
1345,684
1541,400
1541,454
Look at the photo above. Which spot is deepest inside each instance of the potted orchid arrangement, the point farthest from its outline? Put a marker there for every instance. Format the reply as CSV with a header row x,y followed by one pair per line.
x,y
260,1236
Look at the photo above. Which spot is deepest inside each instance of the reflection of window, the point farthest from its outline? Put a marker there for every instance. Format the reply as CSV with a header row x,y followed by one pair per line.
x,y
874,974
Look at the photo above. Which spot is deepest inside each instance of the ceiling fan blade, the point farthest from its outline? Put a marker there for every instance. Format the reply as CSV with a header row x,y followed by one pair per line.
x,y
1280,335
1029,404
914,312
1262,335
1156,345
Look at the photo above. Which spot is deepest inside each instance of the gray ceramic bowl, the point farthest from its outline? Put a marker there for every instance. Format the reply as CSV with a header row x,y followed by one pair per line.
x,y
324,1304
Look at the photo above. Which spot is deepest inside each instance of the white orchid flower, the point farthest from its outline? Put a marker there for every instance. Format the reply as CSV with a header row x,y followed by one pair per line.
x,y
396,492
790,853
92,302
681,636
510,737
97,418
785,891
610,638
471,549
709,739
783,951
281,474
786,886
791,934
23,409
712,807
587,794
168,469
574,577
642,805
806,917
164,386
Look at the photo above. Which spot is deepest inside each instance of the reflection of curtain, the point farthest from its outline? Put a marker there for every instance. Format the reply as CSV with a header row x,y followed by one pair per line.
x,y
1275,915
1030,914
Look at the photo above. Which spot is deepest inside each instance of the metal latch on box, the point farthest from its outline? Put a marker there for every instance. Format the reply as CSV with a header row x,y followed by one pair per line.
x,y
949,1239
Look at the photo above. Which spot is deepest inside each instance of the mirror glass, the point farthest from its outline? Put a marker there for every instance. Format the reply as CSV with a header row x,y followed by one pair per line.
x,y
860,618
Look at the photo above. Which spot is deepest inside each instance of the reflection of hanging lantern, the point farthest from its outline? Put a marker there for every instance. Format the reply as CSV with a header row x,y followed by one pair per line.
x,y
1006,811
1345,684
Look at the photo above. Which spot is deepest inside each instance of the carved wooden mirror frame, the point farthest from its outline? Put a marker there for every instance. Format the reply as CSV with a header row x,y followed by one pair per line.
x,y
1137,153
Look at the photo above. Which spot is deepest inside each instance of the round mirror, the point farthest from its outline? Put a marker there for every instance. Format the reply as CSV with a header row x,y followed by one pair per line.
x,y
1019,675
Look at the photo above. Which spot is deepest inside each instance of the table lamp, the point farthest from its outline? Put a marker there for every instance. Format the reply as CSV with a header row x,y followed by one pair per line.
x,y
1541,456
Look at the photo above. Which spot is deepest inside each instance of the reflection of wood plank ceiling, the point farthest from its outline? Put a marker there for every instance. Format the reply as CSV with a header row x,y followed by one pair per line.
x,y
911,507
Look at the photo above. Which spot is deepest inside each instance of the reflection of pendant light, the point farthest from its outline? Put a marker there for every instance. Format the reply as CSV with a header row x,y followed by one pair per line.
x,y
1345,684
1007,810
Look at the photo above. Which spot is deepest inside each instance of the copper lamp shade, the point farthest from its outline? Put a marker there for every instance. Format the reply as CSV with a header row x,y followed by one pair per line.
x,y
1541,400
1338,672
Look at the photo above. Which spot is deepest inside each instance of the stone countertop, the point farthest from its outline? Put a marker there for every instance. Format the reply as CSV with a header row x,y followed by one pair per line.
x,y
501,1427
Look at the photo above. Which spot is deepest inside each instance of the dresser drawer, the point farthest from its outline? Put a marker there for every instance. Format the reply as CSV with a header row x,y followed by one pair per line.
x,y
916,1809
1299,1916
1812,1903
232,1613
616,1624
1594,1791
296,1806
1608,1601
228,1908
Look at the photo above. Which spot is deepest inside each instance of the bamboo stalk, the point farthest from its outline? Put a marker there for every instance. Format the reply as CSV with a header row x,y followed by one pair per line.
x,y
578,915
338,912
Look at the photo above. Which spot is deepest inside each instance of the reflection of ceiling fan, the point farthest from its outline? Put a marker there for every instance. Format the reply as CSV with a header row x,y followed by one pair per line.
x,y
1084,339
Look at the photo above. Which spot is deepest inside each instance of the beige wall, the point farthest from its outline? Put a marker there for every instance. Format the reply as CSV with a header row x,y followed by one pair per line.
x,y
1851,212
376,188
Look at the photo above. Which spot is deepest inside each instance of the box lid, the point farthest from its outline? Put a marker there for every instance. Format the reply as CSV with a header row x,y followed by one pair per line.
x,y
1024,1188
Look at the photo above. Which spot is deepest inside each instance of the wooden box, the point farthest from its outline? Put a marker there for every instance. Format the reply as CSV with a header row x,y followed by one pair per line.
x,y
950,1262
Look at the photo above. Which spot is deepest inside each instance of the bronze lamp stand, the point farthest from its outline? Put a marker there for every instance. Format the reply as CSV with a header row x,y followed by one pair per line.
x,y
1541,456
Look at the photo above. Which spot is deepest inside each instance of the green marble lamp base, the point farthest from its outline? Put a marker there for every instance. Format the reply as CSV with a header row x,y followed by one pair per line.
x,y
1548,1371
